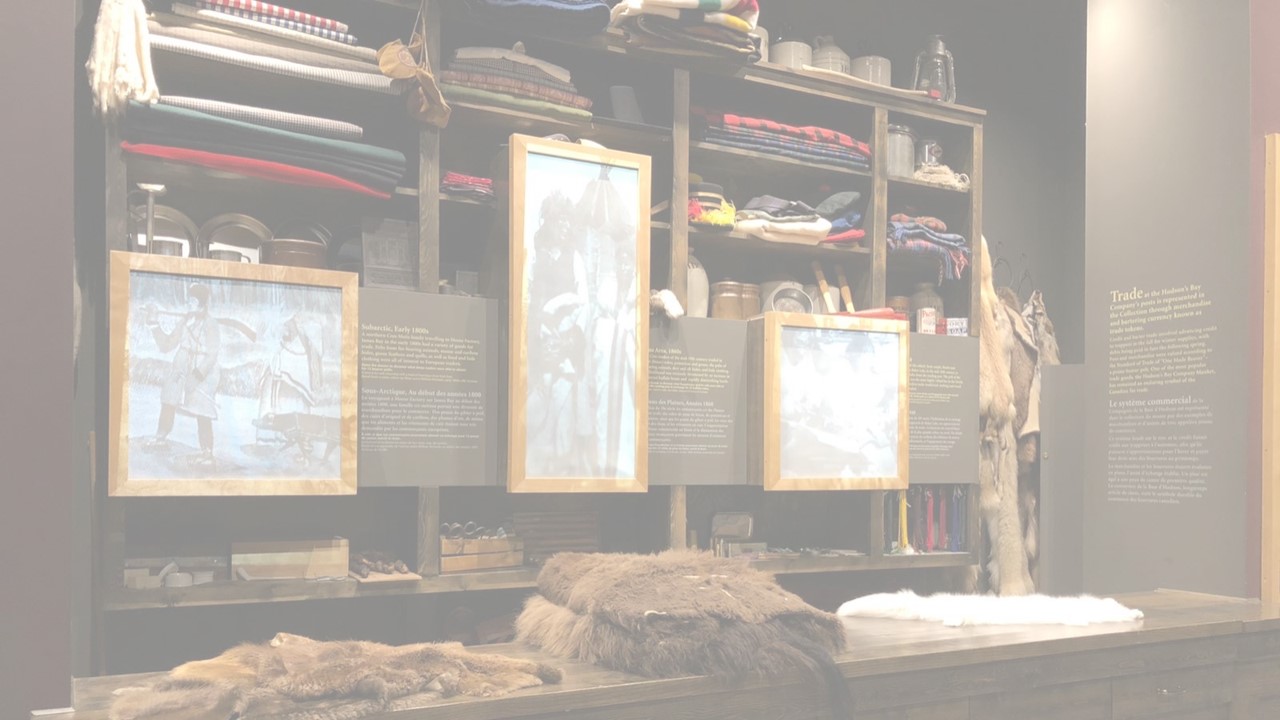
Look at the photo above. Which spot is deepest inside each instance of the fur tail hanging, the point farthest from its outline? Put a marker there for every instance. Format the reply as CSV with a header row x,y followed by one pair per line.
x,y
826,669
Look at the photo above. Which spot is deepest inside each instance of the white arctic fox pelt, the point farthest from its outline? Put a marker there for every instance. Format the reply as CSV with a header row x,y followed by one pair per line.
x,y
959,610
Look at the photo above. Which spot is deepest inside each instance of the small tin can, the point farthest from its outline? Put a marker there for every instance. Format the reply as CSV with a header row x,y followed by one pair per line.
x,y
726,300
927,321
957,326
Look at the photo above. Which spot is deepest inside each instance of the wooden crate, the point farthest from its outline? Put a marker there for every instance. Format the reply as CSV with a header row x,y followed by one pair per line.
x,y
548,533
459,555
290,560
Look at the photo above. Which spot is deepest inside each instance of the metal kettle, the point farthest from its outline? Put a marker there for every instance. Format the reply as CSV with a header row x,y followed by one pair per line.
x,y
935,71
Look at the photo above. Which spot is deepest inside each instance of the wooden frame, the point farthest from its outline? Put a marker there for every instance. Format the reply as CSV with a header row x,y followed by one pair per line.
x,y
557,451
776,474
295,423
1270,570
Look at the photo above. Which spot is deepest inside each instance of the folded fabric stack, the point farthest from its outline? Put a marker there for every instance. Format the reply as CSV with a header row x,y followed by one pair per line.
x,y
281,17
261,148
553,18
496,77
476,188
270,39
706,28
783,221
810,144
928,236
844,210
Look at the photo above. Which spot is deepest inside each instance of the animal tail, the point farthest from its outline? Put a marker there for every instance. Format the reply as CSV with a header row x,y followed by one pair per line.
x,y
825,668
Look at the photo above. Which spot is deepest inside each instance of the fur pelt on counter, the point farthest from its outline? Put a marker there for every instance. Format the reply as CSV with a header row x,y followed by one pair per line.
x,y
680,613
297,678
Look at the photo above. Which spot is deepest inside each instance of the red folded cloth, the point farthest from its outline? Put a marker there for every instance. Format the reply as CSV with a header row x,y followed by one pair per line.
x,y
456,178
249,167
815,134
846,236
284,13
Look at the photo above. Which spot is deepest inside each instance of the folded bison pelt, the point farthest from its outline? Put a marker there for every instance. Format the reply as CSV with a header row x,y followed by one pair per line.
x,y
677,614
297,678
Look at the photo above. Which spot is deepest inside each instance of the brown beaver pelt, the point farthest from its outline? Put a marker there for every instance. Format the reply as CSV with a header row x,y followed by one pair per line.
x,y
297,678
677,614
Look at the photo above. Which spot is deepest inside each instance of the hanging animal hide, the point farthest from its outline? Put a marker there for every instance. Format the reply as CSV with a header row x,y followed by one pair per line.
x,y
297,678
680,613
1041,330
998,501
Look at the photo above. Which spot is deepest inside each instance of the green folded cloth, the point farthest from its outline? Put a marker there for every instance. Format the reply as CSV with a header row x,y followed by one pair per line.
x,y
485,97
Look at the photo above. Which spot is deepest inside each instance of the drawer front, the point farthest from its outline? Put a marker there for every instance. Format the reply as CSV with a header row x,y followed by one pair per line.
x,y
1078,701
1173,693
1257,694
955,710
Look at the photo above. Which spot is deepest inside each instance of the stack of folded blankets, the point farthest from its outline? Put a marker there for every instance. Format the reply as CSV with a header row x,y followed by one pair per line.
x,y
783,221
257,142
467,186
703,28
810,144
928,236
844,211
271,39
552,18
510,79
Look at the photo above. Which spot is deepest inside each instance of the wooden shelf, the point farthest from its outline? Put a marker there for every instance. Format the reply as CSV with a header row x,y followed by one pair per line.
x,y
269,591
907,182
739,242
817,564
707,155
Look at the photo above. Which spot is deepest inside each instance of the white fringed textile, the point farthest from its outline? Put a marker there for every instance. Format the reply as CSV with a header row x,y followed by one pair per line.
x,y
119,65
960,610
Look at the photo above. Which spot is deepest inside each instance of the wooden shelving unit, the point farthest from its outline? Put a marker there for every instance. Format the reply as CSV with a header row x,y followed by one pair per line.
x,y
673,147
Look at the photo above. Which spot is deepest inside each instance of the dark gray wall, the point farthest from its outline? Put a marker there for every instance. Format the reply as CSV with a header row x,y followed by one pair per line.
x,y
36,141
1168,204
1024,62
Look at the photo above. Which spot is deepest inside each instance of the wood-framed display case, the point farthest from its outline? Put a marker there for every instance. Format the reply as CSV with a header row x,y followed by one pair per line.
x,y
578,388
835,403
287,423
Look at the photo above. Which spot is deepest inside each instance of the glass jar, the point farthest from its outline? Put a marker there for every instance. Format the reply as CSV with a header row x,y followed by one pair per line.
x,y
726,300
901,151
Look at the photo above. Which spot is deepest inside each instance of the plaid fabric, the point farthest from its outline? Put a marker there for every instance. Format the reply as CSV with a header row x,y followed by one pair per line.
x,y
170,26
261,8
457,178
512,71
951,263
788,142
310,125
794,154
253,26
932,223
334,35
522,88
814,134
345,78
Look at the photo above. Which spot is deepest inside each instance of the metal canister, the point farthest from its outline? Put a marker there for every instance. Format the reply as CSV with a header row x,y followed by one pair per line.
x,y
901,151
750,300
726,300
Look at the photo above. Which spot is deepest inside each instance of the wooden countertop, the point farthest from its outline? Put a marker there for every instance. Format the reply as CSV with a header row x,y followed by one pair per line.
x,y
876,648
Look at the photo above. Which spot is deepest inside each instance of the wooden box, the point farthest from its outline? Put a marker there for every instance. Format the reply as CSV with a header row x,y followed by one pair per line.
x,y
290,560
472,554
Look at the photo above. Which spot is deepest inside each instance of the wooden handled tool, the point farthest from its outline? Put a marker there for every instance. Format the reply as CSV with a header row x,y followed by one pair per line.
x,y
823,287
845,293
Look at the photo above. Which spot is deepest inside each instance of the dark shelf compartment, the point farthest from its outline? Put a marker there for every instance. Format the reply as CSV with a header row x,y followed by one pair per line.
x,y
606,131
